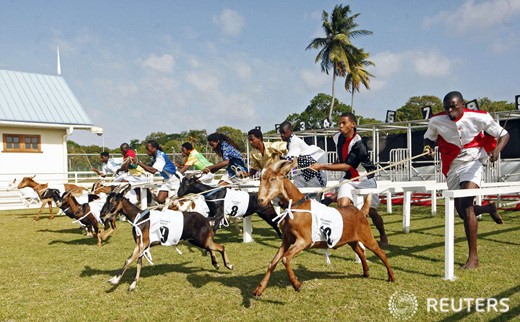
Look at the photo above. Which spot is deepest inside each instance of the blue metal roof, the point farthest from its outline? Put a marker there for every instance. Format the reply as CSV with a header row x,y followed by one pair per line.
x,y
36,98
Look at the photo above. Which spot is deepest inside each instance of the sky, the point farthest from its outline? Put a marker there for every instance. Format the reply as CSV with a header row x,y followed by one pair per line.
x,y
139,67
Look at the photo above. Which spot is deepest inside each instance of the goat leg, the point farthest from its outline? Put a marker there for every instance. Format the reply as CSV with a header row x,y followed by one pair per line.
x,y
115,280
221,249
374,247
133,285
50,208
294,249
39,212
361,254
263,283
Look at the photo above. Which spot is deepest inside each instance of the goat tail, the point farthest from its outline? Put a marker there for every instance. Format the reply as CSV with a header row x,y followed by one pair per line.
x,y
366,205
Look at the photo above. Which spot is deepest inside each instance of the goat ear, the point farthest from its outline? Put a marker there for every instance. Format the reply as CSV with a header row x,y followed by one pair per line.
x,y
32,177
288,166
125,189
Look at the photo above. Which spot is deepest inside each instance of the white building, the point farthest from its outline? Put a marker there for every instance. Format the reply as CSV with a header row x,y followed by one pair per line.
x,y
37,114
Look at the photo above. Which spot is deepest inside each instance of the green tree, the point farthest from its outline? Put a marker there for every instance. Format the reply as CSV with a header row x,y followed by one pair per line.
x,y
490,106
160,137
412,110
317,111
336,47
358,74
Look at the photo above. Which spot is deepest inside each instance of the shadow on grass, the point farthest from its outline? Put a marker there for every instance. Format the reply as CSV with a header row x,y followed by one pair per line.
x,y
74,231
148,271
82,241
230,235
247,283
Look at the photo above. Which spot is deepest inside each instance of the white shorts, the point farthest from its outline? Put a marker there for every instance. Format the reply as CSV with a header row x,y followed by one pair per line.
x,y
345,190
172,184
130,178
466,167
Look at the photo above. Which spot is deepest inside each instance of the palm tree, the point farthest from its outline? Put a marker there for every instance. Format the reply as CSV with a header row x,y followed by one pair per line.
x,y
358,74
336,47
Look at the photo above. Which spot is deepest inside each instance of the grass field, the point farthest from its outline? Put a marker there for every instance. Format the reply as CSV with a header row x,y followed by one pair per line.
x,y
51,272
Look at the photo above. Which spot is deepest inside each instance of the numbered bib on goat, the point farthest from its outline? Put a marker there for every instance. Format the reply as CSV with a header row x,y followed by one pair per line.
x,y
236,203
166,227
327,224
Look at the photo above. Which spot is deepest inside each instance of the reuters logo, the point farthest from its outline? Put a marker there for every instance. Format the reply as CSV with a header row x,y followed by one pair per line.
x,y
402,305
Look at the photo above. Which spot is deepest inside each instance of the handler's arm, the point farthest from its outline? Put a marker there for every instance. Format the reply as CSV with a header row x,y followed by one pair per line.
x,y
428,146
501,144
330,166
214,168
147,167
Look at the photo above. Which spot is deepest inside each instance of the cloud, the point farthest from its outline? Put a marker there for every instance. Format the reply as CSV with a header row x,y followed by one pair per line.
x,y
243,70
314,78
162,64
389,65
203,81
472,16
430,64
230,22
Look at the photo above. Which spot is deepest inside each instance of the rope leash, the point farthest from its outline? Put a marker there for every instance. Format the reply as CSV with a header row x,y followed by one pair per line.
x,y
371,172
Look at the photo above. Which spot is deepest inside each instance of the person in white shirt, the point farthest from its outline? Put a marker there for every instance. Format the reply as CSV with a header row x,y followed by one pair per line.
x,y
465,139
306,155
110,165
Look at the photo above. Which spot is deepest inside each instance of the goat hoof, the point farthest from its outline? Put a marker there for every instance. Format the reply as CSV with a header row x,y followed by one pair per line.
x,y
132,286
230,267
298,287
257,293
114,280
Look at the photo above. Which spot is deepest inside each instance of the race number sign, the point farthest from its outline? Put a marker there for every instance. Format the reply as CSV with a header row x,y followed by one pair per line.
x,y
472,105
427,112
390,116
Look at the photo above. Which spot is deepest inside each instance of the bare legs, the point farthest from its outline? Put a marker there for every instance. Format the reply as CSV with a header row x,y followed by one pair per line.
x,y
466,212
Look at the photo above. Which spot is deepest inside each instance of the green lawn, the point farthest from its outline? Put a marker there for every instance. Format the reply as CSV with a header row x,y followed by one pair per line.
x,y
51,271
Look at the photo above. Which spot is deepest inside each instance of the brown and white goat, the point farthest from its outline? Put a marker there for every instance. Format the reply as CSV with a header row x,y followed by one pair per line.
x,y
45,197
98,187
81,212
297,231
196,230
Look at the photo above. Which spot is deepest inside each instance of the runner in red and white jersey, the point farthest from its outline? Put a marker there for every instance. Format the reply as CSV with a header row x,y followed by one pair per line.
x,y
465,139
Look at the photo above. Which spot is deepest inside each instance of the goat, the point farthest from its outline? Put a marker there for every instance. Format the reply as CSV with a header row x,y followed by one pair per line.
x,y
195,229
87,214
27,195
297,229
216,202
47,199
98,187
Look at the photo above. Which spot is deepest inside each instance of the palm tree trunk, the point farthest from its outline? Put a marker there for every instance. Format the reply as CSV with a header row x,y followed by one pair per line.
x,y
332,103
352,101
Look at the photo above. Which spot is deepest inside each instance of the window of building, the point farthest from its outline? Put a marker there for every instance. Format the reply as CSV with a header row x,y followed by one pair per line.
x,y
22,143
